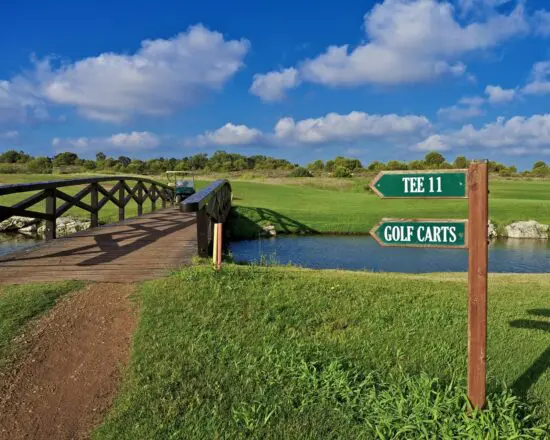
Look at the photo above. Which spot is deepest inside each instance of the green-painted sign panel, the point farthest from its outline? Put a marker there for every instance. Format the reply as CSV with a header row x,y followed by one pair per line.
x,y
421,233
410,184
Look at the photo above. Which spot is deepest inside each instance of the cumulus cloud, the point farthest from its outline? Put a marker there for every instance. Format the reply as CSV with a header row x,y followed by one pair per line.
x,y
273,85
539,83
515,135
467,107
10,135
356,125
19,102
229,134
541,20
130,142
497,94
410,41
163,75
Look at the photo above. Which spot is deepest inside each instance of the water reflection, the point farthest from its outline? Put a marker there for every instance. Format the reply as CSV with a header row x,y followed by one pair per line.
x,y
13,242
363,253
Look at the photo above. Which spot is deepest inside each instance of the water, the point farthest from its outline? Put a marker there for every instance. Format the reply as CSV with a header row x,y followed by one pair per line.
x,y
363,253
15,242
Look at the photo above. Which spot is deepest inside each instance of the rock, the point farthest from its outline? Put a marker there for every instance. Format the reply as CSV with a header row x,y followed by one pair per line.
x,y
527,229
492,231
65,226
31,230
269,230
16,222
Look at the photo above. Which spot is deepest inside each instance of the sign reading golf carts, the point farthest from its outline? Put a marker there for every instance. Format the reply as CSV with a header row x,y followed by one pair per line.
x,y
443,233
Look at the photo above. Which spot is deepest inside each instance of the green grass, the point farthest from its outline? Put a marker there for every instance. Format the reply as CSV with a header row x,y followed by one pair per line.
x,y
21,303
351,209
286,353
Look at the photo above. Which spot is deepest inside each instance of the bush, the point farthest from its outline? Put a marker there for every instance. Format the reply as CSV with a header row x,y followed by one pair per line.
x,y
342,172
41,165
300,172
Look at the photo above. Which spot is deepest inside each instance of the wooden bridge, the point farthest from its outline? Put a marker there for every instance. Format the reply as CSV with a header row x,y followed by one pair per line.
x,y
140,248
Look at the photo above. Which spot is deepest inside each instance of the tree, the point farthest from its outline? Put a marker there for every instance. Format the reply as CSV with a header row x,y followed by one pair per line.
x,y
434,159
396,165
65,159
329,166
300,172
341,171
539,164
316,165
416,165
461,162
13,156
42,165
124,160
100,157
376,166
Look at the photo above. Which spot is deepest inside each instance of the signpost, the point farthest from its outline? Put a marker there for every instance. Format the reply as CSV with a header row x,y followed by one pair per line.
x,y
443,233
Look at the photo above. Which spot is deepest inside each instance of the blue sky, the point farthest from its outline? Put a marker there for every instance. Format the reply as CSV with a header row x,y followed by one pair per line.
x,y
375,80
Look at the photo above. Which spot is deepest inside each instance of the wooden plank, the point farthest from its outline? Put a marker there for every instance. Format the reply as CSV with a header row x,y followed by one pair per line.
x,y
94,215
51,211
477,282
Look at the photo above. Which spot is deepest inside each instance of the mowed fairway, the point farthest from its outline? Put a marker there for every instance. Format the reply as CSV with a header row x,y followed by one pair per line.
x,y
296,208
286,353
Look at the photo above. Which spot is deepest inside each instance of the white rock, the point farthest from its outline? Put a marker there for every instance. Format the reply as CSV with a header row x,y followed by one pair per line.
x,y
269,230
31,230
492,231
65,226
16,222
527,229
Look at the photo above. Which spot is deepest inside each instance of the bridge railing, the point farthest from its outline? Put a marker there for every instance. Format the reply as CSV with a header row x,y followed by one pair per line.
x,y
212,205
120,194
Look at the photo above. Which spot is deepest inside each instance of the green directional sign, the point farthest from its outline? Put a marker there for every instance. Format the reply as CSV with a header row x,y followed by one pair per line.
x,y
421,184
421,233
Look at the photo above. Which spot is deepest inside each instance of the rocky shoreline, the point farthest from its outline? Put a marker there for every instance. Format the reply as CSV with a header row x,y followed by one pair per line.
x,y
36,228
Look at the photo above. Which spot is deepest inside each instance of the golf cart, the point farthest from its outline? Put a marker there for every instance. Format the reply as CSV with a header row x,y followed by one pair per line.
x,y
184,186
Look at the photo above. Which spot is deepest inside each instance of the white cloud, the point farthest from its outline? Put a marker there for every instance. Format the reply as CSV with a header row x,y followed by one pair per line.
x,y
10,135
497,94
356,125
273,85
467,107
541,20
540,82
229,134
19,103
410,41
515,135
130,142
162,76
478,7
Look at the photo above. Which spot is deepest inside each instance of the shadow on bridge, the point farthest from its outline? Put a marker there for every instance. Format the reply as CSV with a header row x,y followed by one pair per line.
x,y
115,240
248,221
530,376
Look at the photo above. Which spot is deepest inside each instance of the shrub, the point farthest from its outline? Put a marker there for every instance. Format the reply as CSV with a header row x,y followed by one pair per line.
x,y
41,165
300,172
342,172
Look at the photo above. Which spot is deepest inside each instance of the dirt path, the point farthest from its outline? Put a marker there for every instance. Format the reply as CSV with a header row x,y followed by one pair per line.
x,y
65,382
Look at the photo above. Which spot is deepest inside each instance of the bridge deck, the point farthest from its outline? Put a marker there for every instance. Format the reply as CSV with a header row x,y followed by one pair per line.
x,y
136,249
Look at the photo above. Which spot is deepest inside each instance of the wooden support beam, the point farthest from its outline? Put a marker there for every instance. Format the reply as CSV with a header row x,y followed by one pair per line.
x,y
51,212
121,201
94,214
203,224
139,200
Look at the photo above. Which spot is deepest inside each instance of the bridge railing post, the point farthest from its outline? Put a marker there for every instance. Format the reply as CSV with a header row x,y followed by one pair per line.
x,y
153,192
121,200
94,200
203,224
51,212
140,199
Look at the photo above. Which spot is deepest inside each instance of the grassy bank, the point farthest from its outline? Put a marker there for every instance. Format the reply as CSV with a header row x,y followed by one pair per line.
x,y
20,304
351,209
288,353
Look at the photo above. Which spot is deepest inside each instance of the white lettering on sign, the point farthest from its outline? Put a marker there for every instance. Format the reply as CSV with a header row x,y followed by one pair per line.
x,y
416,185
423,234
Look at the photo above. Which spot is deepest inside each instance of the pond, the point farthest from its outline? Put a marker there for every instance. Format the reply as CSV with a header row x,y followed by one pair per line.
x,y
363,253
13,242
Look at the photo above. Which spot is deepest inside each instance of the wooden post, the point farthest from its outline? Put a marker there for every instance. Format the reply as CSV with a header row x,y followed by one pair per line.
x,y
94,215
152,194
217,253
202,233
140,200
163,197
121,201
50,210
478,189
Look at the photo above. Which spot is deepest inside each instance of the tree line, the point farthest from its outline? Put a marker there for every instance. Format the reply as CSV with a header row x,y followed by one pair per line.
x,y
13,161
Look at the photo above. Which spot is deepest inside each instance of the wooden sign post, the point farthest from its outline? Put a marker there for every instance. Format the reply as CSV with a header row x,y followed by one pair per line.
x,y
471,234
478,218
217,246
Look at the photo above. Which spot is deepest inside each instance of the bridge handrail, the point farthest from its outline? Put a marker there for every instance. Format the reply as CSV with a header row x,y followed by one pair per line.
x,y
35,186
120,194
212,205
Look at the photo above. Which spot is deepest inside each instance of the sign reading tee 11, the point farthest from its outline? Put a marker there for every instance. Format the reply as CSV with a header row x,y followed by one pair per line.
x,y
446,184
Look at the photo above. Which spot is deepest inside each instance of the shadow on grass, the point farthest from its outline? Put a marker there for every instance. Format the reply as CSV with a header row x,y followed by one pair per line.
x,y
248,223
530,376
